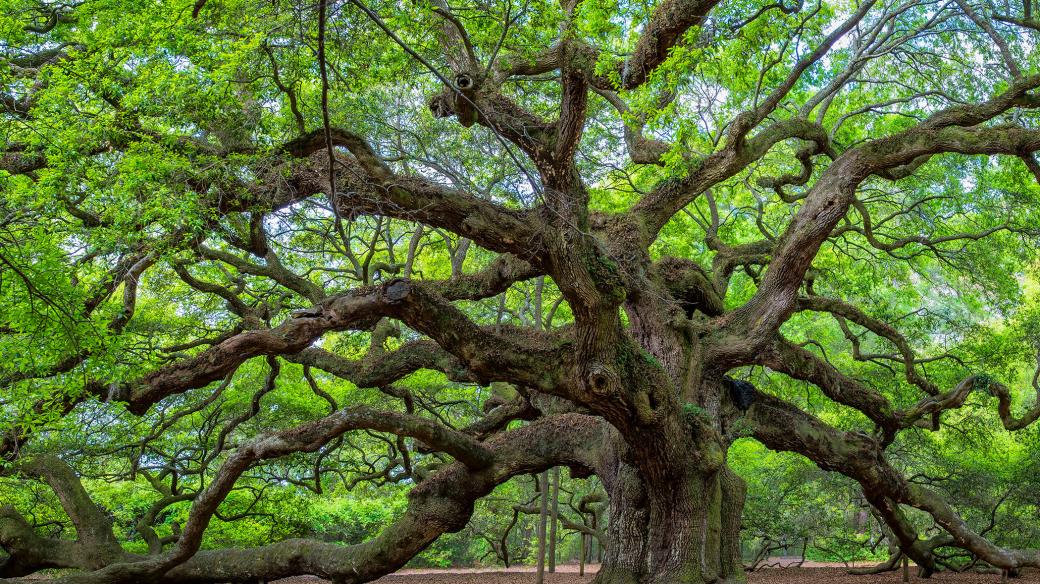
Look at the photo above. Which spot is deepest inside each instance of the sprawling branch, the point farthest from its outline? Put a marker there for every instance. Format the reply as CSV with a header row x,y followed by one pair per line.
x,y
799,363
935,405
441,503
670,20
386,368
29,553
882,329
95,544
667,198
833,194
783,427
369,186
487,355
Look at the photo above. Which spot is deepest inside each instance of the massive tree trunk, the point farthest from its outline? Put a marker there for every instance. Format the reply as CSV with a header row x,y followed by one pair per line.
x,y
681,532
675,506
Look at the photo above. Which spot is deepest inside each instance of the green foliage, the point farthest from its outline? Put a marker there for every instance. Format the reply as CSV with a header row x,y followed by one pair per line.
x,y
158,121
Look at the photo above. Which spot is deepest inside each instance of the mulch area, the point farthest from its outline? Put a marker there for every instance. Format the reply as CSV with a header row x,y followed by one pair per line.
x,y
765,576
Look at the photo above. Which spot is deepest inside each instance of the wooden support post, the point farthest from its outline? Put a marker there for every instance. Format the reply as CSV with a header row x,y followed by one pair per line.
x,y
906,568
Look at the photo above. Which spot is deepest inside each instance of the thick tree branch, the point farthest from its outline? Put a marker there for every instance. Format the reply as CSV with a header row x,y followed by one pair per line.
x,y
781,426
670,20
441,503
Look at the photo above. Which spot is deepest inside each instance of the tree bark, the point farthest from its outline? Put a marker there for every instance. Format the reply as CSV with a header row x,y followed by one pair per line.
x,y
543,489
581,554
683,531
554,514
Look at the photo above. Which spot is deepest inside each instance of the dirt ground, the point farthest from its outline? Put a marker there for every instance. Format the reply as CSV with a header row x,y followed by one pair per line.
x,y
569,575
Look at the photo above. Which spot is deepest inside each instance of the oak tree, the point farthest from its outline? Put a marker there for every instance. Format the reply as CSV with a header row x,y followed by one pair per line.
x,y
603,221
